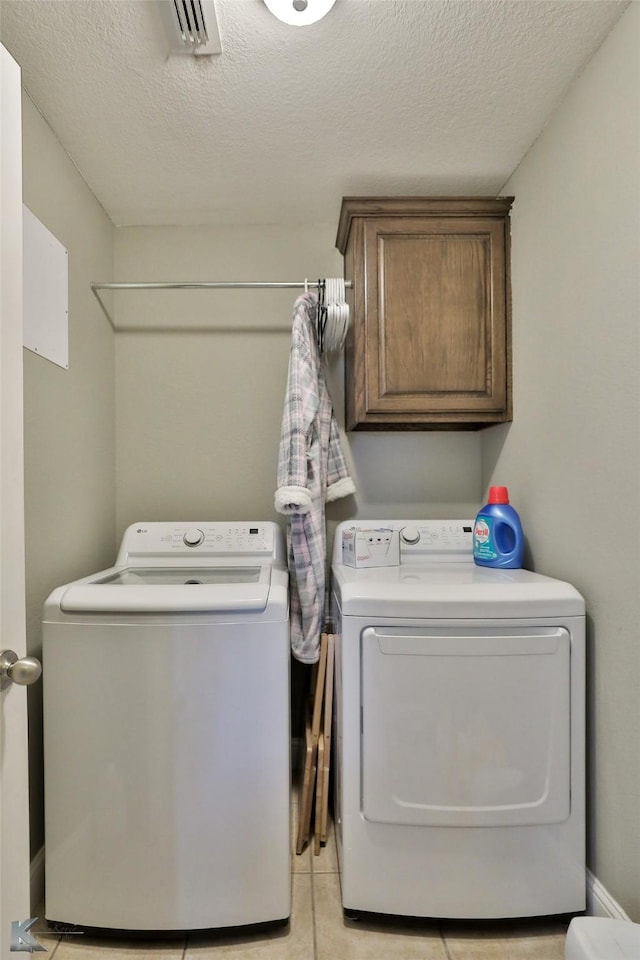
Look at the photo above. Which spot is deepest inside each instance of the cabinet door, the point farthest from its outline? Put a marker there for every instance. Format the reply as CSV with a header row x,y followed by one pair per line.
x,y
431,334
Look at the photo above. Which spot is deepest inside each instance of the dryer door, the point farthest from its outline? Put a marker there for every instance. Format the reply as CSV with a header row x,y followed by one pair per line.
x,y
465,726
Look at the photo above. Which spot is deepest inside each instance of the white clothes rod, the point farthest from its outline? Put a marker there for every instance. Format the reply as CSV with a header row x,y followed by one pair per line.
x,y
201,285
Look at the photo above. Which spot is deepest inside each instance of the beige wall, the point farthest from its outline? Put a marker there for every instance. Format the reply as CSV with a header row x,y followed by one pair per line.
x,y
199,403
69,414
572,455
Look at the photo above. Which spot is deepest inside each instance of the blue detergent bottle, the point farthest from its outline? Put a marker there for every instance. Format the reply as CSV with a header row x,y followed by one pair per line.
x,y
498,540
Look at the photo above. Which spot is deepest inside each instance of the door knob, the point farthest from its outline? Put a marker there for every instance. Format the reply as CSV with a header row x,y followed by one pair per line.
x,y
24,671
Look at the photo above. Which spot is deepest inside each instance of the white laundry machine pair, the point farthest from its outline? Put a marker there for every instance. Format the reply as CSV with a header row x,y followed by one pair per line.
x,y
166,733
460,732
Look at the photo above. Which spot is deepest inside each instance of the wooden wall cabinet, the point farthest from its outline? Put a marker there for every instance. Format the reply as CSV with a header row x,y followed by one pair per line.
x,y
429,344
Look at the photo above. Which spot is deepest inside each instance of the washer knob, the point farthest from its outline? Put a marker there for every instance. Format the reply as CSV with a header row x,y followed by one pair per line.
x,y
410,535
194,537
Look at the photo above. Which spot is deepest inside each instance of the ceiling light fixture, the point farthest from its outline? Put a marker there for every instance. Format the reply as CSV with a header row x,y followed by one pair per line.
x,y
299,13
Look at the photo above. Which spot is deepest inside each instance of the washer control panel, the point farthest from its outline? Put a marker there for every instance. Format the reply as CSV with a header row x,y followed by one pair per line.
x,y
214,541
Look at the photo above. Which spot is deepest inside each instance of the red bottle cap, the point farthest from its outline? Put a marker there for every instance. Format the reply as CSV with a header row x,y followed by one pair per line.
x,y
498,495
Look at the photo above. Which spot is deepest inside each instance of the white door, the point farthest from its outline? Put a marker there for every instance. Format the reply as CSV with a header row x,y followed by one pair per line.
x,y
14,813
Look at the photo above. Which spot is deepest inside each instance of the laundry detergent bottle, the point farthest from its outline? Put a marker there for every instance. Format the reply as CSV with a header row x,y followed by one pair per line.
x,y
497,533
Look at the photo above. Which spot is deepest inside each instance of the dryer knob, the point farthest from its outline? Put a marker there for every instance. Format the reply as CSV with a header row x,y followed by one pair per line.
x,y
410,535
193,538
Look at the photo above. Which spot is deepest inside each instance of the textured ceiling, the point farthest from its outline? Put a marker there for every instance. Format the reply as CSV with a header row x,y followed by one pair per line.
x,y
380,97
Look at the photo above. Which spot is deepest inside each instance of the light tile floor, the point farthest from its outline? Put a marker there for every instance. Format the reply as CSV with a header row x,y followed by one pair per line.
x,y
318,931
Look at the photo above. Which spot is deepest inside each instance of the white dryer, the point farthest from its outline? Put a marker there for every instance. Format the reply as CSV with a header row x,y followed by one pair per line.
x,y
166,733
460,733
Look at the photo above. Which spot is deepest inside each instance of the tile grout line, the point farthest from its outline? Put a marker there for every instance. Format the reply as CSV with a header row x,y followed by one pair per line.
x,y
313,910
444,942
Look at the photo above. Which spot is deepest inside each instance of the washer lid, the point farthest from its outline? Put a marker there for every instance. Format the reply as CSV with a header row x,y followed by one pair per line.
x,y
170,590
180,576
453,590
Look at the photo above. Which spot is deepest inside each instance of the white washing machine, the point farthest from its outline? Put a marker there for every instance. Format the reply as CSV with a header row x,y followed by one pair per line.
x,y
460,732
166,733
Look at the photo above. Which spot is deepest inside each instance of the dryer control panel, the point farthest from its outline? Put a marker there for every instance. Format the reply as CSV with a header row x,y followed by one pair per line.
x,y
441,538
422,541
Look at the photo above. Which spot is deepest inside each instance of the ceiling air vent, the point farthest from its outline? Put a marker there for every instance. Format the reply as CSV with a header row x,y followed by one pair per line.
x,y
191,26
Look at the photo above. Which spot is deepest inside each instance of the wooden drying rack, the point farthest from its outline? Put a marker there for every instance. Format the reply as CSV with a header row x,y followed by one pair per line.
x,y
315,781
